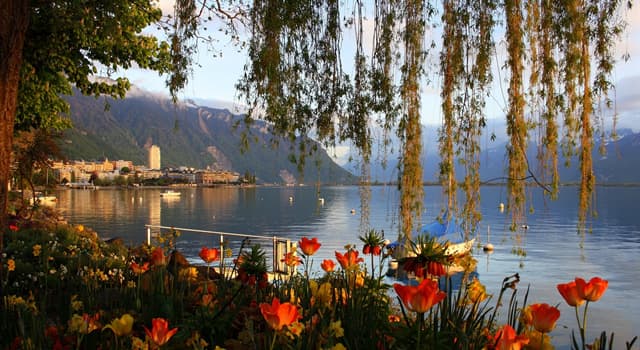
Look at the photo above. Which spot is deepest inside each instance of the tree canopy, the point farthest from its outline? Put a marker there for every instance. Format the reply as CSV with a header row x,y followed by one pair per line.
x,y
48,47
558,59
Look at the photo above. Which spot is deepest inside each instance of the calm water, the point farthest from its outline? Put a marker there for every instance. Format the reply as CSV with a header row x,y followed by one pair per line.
x,y
555,253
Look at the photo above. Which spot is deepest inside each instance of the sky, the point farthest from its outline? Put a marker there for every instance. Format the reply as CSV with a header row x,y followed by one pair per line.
x,y
214,78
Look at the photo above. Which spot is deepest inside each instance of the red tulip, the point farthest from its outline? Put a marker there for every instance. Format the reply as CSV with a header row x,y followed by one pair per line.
x,y
507,339
569,292
209,255
593,290
544,317
328,265
349,260
309,246
157,257
279,315
160,333
420,298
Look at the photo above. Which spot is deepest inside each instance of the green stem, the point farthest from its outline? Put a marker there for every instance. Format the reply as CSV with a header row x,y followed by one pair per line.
x,y
273,342
420,325
138,301
583,330
372,270
206,291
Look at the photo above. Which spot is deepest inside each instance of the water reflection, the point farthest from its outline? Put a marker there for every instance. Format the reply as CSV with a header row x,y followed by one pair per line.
x,y
551,250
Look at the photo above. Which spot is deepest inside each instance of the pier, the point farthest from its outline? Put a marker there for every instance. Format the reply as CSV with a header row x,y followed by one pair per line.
x,y
274,246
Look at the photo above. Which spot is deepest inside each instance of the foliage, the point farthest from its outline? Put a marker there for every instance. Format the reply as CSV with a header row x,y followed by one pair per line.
x,y
33,151
67,43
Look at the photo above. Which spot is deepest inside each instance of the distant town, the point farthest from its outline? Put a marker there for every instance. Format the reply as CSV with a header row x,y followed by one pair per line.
x,y
80,173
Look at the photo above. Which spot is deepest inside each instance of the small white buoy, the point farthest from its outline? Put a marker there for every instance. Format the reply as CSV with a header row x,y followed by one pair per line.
x,y
290,199
501,206
525,227
353,211
321,200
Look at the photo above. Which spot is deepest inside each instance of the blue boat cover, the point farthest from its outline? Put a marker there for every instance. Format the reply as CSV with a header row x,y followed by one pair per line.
x,y
445,229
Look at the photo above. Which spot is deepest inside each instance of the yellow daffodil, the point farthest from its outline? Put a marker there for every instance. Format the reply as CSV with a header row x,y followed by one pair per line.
x,y
76,305
11,265
37,249
138,344
360,280
538,341
324,294
295,329
196,342
188,274
476,291
336,328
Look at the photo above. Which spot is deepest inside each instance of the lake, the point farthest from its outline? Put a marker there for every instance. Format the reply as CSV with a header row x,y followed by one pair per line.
x,y
555,252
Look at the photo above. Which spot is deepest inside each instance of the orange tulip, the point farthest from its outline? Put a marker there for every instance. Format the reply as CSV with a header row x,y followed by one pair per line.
x,y
160,333
593,290
279,315
291,260
569,292
328,265
349,260
507,339
420,298
544,317
139,269
157,257
209,255
309,246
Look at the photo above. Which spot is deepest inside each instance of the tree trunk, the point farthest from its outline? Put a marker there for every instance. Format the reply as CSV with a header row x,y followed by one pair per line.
x,y
13,30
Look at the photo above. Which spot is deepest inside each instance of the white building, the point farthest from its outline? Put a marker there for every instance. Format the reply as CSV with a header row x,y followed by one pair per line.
x,y
153,159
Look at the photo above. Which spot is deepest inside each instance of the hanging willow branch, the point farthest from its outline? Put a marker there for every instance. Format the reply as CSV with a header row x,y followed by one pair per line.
x,y
295,80
517,128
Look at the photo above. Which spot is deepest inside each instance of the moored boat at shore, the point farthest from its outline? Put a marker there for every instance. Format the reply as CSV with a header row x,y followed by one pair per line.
x,y
170,193
446,231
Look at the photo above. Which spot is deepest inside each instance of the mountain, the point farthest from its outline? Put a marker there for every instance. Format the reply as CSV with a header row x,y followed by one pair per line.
x,y
188,135
619,164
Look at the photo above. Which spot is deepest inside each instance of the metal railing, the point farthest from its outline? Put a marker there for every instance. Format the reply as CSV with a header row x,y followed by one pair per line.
x,y
279,245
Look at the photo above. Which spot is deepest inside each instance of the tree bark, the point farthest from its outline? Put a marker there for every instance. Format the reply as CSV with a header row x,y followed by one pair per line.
x,y
14,22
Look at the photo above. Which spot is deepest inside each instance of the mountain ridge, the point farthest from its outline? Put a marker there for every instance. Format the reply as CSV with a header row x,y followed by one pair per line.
x,y
188,135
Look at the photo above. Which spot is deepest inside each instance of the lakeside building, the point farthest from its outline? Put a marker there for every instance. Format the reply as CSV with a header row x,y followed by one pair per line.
x,y
209,177
82,171
153,157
